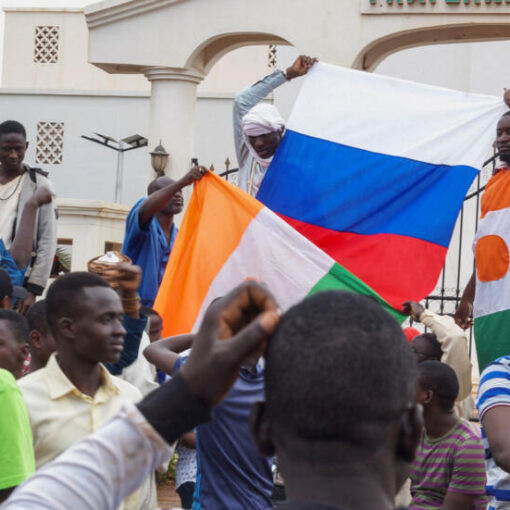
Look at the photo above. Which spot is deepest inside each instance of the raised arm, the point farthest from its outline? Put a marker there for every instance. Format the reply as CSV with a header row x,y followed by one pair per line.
x,y
102,469
159,199
250,96
164,353
454,346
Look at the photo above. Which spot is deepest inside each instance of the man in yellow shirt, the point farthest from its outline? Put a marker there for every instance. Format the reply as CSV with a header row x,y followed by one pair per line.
x,y
74,394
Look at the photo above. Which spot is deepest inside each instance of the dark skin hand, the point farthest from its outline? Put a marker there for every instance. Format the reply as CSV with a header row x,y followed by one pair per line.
x,y
300,66
463,313
413,309
458,501
127,278
234,327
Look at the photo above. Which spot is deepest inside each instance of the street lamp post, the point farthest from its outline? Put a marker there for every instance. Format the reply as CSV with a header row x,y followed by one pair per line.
x,y
132,142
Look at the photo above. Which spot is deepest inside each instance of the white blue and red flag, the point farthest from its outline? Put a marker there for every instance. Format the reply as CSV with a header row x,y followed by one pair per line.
x,y
373,170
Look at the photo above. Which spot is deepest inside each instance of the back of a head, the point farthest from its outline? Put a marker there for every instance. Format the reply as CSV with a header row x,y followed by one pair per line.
x,y
17,324
442,380
338,368
12,126
64,295
433,347
36,317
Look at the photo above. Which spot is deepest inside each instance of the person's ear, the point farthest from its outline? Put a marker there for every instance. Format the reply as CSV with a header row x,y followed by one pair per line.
x,y
410,429
65,327
6,303
24,351
260,429
35,339
428,396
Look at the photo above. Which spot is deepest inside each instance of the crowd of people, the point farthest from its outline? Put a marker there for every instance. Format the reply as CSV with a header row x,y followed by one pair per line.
x,y
331,399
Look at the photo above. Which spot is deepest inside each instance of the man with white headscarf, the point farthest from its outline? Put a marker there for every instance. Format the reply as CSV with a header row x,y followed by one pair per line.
x,y
258,128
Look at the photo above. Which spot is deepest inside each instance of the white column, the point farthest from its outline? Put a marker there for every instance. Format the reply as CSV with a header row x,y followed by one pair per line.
x,y
172,115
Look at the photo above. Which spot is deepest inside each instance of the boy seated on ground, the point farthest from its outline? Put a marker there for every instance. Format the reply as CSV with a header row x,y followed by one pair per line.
x,y
449,470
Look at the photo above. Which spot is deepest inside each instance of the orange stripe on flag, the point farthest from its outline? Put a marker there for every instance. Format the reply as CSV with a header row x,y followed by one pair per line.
x,y
215,220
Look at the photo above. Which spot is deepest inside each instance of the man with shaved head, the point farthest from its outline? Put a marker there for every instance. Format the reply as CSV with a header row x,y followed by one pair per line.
x,y
150,230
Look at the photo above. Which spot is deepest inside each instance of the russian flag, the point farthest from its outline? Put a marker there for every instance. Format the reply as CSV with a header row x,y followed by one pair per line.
x,y
373,170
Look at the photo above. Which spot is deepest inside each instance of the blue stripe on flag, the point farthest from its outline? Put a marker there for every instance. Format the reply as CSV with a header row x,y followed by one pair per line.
x,y
353,190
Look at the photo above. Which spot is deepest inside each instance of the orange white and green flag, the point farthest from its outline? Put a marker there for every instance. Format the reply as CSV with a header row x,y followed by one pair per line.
x,y
226,237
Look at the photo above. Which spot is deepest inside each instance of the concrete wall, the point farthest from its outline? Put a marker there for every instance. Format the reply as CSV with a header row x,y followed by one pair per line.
x,y
73,71
88,169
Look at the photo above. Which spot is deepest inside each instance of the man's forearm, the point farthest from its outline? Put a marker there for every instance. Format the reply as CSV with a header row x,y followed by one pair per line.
x,y
469,292
158,200
22,245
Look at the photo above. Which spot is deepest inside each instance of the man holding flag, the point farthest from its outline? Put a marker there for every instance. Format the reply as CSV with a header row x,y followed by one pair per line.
x,y
259,127
487,293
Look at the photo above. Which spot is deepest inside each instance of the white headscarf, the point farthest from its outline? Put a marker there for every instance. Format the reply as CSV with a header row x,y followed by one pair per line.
x,y
263,118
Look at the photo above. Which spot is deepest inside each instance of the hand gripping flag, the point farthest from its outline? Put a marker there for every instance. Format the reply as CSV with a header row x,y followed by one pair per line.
x,y
226,237
373,170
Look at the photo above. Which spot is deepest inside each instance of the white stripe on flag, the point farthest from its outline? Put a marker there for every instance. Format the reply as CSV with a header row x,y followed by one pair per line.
x,y
396,117
274,253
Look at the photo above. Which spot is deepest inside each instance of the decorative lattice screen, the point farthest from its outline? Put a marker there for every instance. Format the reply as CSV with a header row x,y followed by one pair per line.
x,y
46,44
271,57
50,143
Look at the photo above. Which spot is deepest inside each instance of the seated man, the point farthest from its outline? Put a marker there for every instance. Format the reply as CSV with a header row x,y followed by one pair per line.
x,y
16,450
74,394
448,471
448,343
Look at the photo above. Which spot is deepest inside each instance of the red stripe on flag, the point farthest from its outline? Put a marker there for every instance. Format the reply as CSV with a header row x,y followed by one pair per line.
x,y
373,258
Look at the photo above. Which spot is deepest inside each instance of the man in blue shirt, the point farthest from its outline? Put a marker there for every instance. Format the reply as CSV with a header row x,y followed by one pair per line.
x,y
150,230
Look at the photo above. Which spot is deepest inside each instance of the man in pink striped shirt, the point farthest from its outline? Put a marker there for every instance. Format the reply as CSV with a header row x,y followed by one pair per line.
x,y
449,469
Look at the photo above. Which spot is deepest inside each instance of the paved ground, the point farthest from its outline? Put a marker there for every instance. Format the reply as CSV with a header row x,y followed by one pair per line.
x,y
167,497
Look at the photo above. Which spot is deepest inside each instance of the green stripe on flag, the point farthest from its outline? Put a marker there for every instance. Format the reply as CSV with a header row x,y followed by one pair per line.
x,y
339,278
492,337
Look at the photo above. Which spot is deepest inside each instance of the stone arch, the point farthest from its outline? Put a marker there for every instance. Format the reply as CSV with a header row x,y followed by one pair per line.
x,y
374,52
211,50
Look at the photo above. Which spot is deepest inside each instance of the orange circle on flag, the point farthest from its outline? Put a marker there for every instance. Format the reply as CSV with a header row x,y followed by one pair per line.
x,y
492,259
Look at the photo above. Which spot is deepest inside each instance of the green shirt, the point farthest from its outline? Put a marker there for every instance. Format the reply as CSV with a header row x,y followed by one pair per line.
x,y
17,460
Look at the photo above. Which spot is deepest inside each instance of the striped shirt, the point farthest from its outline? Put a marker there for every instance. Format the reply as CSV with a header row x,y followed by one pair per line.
x,y
451,463
494,390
